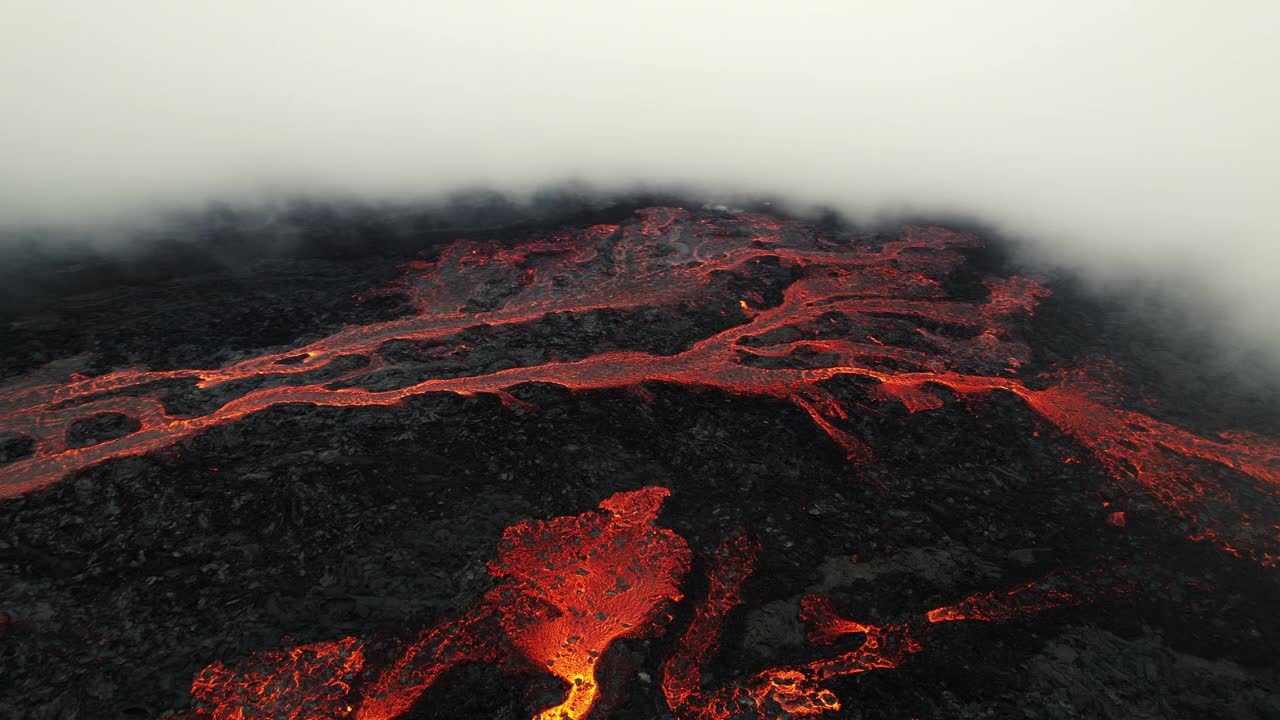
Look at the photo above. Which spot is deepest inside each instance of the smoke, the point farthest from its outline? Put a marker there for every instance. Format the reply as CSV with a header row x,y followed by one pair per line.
x,y
1132,141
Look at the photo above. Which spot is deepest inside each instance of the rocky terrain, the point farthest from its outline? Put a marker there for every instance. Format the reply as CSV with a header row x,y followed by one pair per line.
x,y
311,518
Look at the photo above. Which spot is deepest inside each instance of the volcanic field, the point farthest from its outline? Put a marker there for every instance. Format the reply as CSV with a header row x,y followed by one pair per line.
x,y
696,464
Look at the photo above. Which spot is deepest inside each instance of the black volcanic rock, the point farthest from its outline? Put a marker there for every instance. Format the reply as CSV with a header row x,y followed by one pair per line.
x,y
304,523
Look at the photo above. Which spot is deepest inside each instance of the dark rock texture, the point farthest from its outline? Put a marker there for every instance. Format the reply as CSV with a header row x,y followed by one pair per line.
x,y
311,523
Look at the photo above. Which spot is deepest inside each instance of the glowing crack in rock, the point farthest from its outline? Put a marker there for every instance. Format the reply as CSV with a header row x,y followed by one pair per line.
x,y
789,691
846,307
1056,590
801,690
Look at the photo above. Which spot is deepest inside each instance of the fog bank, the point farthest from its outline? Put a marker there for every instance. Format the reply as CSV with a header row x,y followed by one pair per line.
x,y
1134,141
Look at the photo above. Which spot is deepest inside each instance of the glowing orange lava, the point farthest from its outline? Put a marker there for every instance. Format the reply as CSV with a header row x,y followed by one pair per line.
x,y
570,587
879,311
308,682
801,690
1055,591
788,691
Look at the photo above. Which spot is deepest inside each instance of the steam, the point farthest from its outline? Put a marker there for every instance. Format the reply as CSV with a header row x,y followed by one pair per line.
x,y
1132,141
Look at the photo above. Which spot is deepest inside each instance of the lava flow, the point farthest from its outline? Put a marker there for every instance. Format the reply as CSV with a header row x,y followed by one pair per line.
x,y
570,587
801,689
802,308
308,682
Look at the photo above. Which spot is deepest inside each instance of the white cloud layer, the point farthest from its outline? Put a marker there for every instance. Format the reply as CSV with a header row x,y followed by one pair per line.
x,y
1126,139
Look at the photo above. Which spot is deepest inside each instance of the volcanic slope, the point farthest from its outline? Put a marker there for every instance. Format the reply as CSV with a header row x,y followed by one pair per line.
x,y
863,402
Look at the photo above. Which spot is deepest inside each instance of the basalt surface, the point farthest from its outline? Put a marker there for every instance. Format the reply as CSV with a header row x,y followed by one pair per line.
x,y
692,464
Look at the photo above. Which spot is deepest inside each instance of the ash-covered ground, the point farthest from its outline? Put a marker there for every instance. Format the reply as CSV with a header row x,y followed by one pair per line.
x,y
301,522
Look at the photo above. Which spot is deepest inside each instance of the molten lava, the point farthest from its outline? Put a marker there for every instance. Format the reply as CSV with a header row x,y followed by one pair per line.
x,y
800,690
788,691
799,309
569,588
308,682
876,311
777,692
590,580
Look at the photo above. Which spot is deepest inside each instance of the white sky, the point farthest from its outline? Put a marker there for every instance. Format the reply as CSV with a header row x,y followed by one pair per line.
x,y
1125,138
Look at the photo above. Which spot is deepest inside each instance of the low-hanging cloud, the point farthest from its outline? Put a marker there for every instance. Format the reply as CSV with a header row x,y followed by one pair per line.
x,y
1131,140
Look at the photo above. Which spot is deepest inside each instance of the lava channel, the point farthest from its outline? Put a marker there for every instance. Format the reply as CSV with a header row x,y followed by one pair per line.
x,y
572,586
846,307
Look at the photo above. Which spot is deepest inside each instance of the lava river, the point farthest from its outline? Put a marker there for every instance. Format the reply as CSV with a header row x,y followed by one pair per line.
x,y
571,586
837,307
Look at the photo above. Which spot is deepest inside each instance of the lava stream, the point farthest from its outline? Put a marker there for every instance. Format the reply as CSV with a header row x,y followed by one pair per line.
x,y
572,586
846,308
